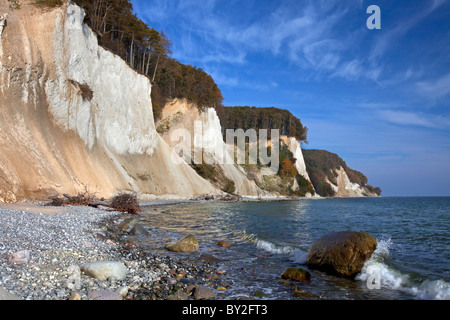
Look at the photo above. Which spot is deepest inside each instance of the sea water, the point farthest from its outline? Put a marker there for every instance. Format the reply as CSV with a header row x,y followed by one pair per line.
x,y
412,259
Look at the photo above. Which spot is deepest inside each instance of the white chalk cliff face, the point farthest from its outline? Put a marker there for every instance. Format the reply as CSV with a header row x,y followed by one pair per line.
x,y
75,116
180,115
204,128
120,115
295,147
346,188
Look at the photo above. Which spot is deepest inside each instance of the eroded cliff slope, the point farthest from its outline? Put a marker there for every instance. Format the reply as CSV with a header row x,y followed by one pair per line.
x,y
75,116
181,119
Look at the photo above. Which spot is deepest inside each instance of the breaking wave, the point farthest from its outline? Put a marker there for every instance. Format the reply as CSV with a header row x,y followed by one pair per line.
x,y
295,254
378,275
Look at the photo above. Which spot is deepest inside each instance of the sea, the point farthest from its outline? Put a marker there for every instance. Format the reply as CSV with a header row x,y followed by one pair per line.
x,y
411,262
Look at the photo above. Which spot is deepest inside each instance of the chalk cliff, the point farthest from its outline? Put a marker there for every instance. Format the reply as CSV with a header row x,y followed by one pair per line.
x,y
249,181
332,177
181,116
75,116
345,188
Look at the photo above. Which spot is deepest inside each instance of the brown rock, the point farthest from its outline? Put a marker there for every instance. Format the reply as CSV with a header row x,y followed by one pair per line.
x,y
187,244
223,244
75,296
189,288
297,274
341,253
179,295
203,293
207,257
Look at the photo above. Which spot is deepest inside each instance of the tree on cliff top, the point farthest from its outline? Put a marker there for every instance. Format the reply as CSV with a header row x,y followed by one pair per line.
x,y
148,52
264,118
321,164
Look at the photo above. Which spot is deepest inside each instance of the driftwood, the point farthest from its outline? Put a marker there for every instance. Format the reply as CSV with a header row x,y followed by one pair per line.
x,y
100,203
123,202
81,199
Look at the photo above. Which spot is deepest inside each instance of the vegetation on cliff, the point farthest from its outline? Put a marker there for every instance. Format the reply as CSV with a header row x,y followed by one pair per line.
x,y
321,165
287,170
147,51
264,118
287,181
216,176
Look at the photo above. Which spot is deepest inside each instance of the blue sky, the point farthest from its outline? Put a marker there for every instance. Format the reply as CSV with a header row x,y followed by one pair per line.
x,y
378,98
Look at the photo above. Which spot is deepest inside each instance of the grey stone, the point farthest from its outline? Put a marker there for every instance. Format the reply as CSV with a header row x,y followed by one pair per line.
x,y
20,257
179,295
203,293
5,295
104,295
103,270
127,225
139,230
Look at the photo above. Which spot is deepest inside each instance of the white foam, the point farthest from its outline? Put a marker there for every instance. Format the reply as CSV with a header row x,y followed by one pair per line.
x,y
438,290
272,248
376,268
295,254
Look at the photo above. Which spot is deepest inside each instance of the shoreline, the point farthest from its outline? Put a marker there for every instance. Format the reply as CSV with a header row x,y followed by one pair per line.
x,y
152,275
85,235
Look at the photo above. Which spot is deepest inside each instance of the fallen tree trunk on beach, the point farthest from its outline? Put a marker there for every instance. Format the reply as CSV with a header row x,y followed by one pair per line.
x,y
124,202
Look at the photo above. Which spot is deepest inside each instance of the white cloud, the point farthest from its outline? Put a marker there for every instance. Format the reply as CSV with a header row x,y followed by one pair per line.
x,y
351,70
435,89
415,119
404,76
297,31
304,33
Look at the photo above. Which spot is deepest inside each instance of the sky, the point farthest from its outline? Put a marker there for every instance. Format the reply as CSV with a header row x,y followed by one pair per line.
x,y
379,98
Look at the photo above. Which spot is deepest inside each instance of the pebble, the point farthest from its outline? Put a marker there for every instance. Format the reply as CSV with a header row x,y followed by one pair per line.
x,y
222,243
123,291
19,257
104,295
75,296
104,270
203,293
58,256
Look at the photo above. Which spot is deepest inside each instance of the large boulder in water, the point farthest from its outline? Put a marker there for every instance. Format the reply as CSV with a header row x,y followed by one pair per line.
x,y
341,253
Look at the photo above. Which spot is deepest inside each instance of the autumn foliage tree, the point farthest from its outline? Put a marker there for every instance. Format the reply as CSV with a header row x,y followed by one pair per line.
x,y
321,166
288,168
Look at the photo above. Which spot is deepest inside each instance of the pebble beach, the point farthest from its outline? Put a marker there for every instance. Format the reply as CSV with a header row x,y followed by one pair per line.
x,y
51,253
